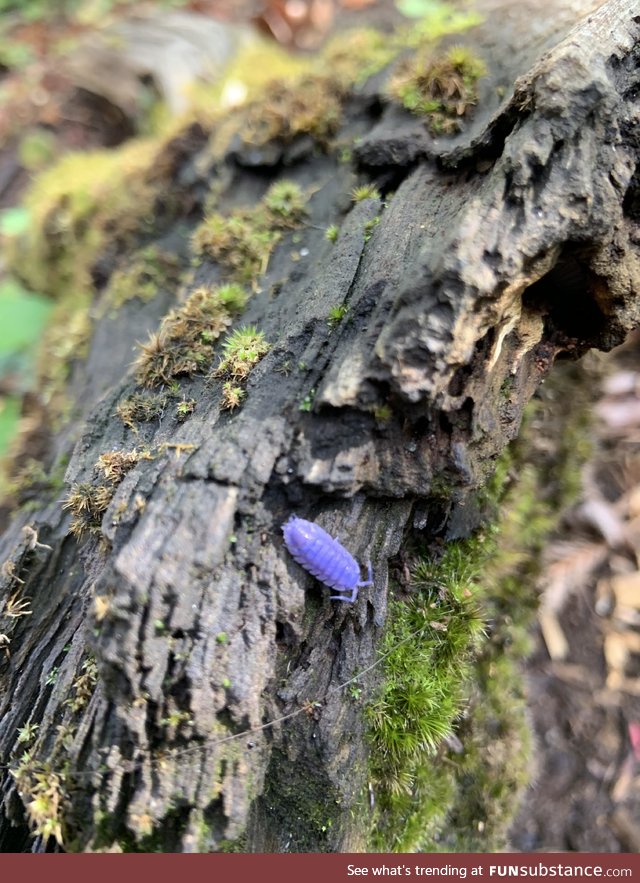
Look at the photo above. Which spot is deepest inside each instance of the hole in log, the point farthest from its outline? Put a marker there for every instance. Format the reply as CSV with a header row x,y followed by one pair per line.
x,y
566,297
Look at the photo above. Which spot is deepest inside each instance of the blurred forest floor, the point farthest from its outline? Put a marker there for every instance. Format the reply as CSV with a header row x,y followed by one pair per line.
x,y
86,74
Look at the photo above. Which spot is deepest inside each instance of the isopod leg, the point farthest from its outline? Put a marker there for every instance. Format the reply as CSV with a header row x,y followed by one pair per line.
x,y
348,598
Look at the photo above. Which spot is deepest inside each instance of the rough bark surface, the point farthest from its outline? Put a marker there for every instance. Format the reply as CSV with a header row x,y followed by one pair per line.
x,y
501,248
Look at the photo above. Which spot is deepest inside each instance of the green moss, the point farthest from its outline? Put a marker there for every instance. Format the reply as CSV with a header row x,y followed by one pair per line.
x,y
75,206
285,202
460,797
302,803
369,227
242,242
441,19
232,396
441,89
141,408
336,315
242,350
354,56
331,233
287,109
431,641
185,409
184,344
365,191
149,271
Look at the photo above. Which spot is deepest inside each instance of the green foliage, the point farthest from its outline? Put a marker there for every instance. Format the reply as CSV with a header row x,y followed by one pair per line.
x,y
23,316
337,314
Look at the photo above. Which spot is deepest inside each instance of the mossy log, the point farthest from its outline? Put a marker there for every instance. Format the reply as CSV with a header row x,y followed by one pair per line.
x,y
178,684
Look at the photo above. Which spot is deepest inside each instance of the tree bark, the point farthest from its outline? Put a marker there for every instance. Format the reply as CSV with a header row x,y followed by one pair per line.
x,y
497,249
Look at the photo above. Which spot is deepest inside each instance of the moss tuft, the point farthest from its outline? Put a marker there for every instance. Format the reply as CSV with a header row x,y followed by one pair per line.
x,y
75,206
232,396
142,278
365,191
443,89
87,503
331,233
336,315
184,344
285,201
242,242
243,349
141,408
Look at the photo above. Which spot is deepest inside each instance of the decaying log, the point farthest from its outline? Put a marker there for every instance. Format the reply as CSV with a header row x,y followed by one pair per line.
x,y
500,248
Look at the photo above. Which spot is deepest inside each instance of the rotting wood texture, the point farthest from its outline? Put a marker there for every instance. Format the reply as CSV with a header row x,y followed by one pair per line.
x,y
497,249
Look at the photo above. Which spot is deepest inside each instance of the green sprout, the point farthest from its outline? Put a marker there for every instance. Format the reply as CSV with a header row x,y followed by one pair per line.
x,y
337,314
307,402
369,227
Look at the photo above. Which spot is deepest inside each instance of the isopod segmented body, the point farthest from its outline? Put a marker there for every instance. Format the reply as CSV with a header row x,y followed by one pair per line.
x,y
325,558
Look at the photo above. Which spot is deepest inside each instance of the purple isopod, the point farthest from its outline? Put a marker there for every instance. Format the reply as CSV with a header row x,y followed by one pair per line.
x,y
324,558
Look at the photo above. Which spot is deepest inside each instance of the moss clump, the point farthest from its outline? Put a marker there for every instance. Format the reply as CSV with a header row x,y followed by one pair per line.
x,y
184,344
461,797
242,350
114,465
44,791
142,278
141,408
442,90
242,243
370,226
365,191
185,409
232,396
310,105
285,202
331,233
75,206
431,641
87,503
336,315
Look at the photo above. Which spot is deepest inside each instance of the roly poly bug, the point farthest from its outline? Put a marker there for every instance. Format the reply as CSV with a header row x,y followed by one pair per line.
x,y
315,550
